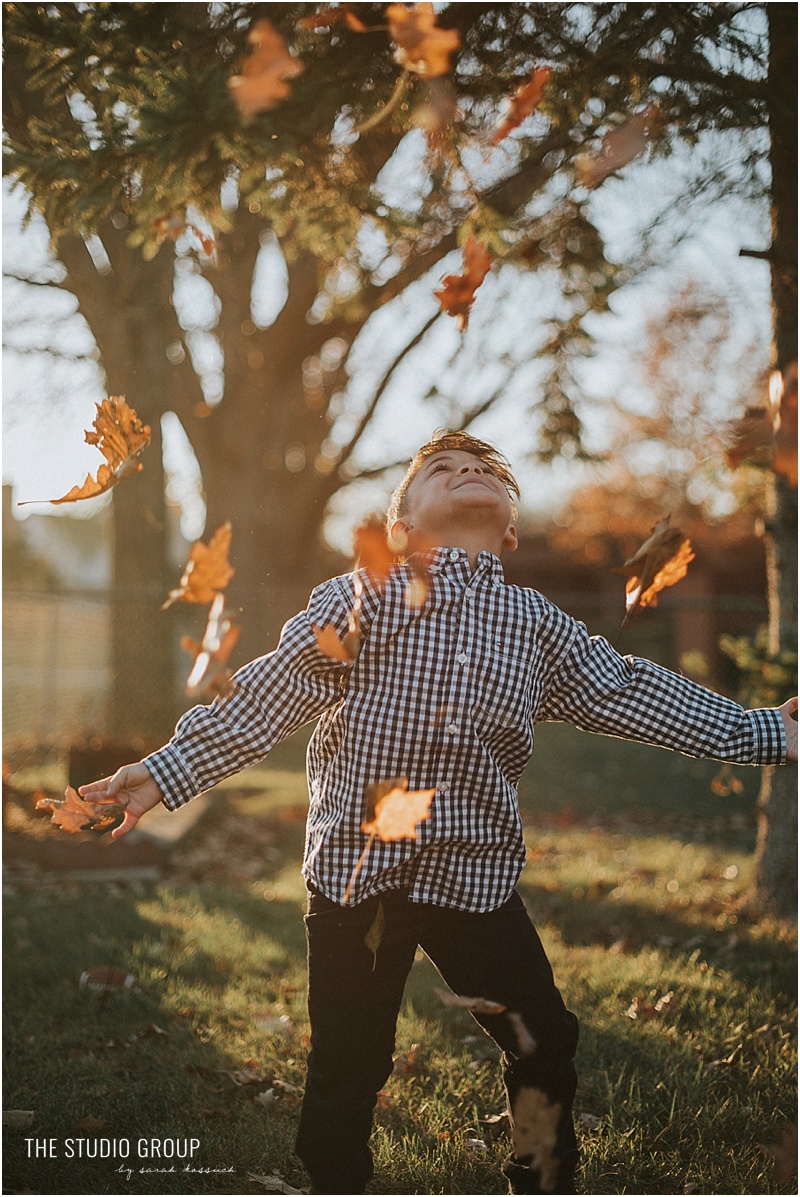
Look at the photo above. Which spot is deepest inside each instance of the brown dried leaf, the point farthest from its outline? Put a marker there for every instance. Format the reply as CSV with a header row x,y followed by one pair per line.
x,y
73,813
372,550
474,1005
457,293
18,1119
207,571
261,84
422,47
120,436
107,979
525,100
661,561
752,438
534,1128
408,1063
210,676
618,147
372,940
332,645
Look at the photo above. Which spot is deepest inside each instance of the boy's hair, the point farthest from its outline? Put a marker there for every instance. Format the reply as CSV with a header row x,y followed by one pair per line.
x,y
442,441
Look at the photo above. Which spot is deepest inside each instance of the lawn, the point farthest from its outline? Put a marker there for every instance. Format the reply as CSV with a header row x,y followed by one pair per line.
x,y
636,871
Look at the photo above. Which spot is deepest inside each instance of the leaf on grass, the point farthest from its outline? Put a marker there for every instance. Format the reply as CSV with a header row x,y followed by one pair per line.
x,y
268,1098
372,940
120,436
645,1009
408,1063
107,979
589,1122
422,47
207,571
474,1005
784,1154
661,561
525,100
210,676
534,1128
18,1119
274,1183
262,83
618,147
90,1125
393,811
251,1073
73,813
525,1041
457,293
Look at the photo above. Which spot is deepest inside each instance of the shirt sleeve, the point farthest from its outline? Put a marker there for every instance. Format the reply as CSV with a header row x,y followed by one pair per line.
x,y
598,690
271,697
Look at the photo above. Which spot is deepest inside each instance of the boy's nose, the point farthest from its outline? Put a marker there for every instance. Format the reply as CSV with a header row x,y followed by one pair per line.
x,y
465,469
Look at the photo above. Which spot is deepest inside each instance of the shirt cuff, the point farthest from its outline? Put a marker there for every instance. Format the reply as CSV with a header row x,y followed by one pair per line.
x,y
172,777
769,736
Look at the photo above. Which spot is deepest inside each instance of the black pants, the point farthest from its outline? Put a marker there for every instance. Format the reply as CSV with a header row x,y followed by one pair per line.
x,y
353,1000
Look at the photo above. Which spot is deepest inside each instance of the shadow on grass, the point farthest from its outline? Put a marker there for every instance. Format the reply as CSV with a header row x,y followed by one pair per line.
x,y
113,1073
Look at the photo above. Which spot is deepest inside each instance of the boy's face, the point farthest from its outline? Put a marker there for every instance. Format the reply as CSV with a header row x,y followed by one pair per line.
x,y
454,490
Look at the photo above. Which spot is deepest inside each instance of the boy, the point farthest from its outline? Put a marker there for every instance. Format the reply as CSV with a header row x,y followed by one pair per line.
x,y
444,692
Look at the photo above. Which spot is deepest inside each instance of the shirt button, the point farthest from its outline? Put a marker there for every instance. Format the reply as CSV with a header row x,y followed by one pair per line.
x,y
462,658
452,728
454,554
468,593
443,787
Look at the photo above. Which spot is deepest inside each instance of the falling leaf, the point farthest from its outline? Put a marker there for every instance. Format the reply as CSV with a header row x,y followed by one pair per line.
x,y
525,100
457,294
474,1005
210,676
618,147
262,83
268,1098
422,47
250,1073
120,436
662,561
73,813
331,644
525,1041
752,438
18,1119
107,979
207,571
372,550
784,1154
397,810
408,1063
534,1129
589,1122
372,940
326,17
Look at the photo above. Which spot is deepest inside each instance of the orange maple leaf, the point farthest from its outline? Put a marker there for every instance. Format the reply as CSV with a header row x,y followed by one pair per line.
x,y
422,47
73,813
210,676
393,812
457,294
262,83
332,645
525,100
661,561
207,570
120,436
618,147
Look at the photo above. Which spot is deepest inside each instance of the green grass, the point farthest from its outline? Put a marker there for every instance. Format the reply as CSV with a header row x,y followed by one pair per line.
x,y
635,875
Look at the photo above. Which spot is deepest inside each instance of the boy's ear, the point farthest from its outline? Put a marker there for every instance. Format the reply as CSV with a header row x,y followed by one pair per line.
x,y
398,535
510,540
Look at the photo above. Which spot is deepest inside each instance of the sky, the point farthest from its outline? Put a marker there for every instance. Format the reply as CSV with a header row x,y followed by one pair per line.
x,y
52,378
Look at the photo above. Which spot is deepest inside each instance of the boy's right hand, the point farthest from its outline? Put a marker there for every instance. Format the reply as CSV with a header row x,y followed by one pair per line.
x,y
134,786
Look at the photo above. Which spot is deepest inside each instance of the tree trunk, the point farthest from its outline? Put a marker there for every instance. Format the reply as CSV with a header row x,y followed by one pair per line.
x,y
775,884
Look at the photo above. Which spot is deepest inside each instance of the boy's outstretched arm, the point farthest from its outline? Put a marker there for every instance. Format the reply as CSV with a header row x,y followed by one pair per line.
x,y
132,784
788,709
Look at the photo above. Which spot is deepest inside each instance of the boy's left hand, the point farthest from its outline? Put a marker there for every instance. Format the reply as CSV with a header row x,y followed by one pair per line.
x,y
787,710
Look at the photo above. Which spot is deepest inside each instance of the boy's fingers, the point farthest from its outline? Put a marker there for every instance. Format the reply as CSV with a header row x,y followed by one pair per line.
x,y
128,824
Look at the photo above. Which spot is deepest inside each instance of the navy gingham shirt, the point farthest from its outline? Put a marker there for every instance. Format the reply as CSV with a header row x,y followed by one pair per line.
x,y
445,693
